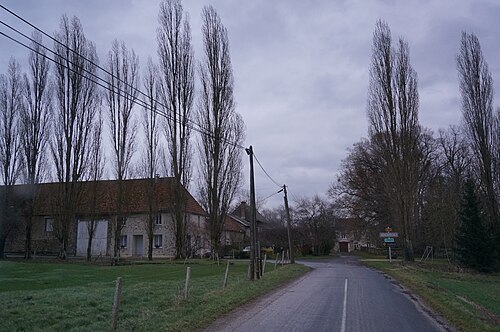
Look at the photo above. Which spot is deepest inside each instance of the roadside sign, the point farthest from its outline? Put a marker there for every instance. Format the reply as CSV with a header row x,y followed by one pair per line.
x,y
390,244
388,239
389,234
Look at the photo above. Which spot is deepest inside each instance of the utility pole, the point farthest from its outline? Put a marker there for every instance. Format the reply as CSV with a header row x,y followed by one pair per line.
x,y
288,226
254,266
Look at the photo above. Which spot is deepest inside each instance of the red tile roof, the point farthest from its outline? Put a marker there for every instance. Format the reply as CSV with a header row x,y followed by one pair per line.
x,y
135,195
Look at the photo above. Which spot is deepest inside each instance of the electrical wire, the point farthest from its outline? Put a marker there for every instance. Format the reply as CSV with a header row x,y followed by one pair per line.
x,y
265,172
97,80
199,128
265,199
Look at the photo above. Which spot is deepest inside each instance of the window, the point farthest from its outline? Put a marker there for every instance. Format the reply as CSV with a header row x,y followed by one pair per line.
x,y
123,241
158,241
49,225
158,220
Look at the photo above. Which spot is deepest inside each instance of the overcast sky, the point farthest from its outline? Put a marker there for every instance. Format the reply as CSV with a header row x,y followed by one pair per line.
x,y
300,67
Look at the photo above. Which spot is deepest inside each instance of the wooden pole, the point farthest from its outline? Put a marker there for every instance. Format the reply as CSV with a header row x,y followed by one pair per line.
x,y
186,286
288,226
116,303
253,238
225,276
283,258
276,260
264,265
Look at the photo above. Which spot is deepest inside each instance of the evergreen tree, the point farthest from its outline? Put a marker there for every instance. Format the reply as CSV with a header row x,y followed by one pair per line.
x,y
474,243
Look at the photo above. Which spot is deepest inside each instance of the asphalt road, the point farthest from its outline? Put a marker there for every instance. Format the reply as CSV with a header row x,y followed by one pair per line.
x,y
338,295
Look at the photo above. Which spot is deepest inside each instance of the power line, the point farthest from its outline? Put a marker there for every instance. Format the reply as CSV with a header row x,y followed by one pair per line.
x,y
265,172
265,199
122,93
199,128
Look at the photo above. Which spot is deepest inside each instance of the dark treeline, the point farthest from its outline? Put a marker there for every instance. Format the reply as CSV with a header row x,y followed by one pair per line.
x,y
57,118
405,176
431,188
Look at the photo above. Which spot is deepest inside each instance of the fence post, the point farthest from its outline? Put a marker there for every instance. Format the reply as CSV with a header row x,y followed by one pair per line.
x,y
264,265
186,286
225,276
116,303
283,258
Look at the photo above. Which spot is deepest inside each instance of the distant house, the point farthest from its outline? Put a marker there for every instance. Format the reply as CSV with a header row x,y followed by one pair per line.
x,y
103,209
236,230
350,236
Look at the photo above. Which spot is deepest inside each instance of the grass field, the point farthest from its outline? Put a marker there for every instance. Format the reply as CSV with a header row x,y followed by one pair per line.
x,y
79,297
469,301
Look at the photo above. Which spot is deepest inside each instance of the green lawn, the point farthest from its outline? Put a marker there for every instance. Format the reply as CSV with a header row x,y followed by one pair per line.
x,y
469,301
79,297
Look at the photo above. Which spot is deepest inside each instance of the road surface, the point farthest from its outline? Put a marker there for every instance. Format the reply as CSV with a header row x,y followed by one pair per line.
x,y
337,295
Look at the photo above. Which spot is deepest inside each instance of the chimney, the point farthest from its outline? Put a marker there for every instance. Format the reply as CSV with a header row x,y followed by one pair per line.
x,y
243,209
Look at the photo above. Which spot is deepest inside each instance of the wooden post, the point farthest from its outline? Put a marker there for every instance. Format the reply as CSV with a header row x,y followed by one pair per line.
x,y
276,260
249,274
288,226
186,286
264,265
225,275
116,303
283,258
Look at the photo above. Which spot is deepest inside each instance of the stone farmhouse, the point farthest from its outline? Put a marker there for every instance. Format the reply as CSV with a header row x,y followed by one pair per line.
x,y
98,202
350,236
236,230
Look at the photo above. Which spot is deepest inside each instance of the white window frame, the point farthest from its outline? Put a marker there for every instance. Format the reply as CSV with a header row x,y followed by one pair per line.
x,y
158,219
158,241
49,224
123,241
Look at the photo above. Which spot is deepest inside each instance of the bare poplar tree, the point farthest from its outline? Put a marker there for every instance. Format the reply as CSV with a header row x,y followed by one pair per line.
x,y
222,126
96,170
394,127
35,126
177,91
476,87
10,108
77,101
151,154
121,96
496,153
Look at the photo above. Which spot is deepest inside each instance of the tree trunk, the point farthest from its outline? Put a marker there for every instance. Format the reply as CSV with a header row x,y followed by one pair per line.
x,y
27,244
3,239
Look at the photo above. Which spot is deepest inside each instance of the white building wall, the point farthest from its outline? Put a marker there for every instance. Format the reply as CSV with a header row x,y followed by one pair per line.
x,y
99,241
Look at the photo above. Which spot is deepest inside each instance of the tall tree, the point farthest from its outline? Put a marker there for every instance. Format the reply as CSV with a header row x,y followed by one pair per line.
x,y
96,170
122,93
35,126
394,127
177,91
476,87
475,246
222,127
77,101
316,222
151,154
359,191
10,108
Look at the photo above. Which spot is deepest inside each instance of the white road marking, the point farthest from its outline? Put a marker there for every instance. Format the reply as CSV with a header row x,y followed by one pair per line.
x,y
344,310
